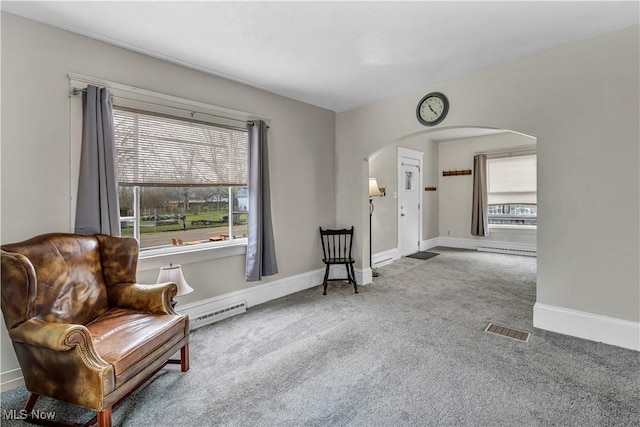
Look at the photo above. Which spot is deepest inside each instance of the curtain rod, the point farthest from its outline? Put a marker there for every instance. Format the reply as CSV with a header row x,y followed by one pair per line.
x,y
511,153
77,91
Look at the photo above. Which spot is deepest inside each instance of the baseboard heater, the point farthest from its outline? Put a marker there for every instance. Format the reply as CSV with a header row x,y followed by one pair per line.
x,y
382,262
218,314
507,250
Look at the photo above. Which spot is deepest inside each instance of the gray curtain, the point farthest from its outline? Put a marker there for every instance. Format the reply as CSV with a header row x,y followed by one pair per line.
x,y
479,220
261,252
97,210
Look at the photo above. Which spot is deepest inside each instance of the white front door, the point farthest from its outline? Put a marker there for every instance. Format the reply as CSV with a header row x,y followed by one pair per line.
x,y
409,203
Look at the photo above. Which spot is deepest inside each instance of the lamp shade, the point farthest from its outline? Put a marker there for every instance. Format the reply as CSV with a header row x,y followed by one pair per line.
x,y
173,273
374,190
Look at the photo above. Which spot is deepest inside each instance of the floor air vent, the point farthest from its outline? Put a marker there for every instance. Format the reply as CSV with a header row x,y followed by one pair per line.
x,y
218,314
508,332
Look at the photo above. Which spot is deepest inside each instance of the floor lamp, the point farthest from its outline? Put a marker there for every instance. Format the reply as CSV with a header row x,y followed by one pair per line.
x,y
374,191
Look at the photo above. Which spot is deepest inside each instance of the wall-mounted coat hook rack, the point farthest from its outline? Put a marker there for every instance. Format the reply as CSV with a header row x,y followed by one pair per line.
x,y
456,172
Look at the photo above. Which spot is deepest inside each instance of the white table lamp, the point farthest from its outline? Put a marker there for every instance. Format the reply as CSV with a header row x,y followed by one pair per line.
x,y
173,273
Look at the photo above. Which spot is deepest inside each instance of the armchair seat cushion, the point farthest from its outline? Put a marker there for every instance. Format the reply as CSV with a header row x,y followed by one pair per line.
x,y
124,338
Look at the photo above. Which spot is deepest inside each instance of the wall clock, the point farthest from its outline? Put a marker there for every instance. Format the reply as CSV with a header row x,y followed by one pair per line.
x,y
432,109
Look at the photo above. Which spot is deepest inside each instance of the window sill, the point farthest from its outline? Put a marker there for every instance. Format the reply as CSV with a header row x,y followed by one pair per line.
x,y
152,259
513,229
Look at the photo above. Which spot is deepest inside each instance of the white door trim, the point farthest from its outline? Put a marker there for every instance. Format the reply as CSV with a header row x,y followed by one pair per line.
x,y
407,153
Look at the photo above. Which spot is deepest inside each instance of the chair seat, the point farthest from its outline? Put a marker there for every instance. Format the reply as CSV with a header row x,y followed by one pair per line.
x,y
124,337
338,260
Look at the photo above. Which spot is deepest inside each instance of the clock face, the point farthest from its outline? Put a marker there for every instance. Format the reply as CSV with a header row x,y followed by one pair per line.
x,y
432,109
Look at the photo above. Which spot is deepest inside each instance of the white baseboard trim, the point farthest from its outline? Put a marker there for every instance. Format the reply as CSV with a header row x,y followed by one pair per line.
x,y
364,276
430,243
593,327
507,247
256,294
252,296
11,379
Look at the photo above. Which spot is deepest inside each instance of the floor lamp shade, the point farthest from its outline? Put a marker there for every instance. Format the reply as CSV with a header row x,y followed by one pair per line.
x,y
173,273
374,190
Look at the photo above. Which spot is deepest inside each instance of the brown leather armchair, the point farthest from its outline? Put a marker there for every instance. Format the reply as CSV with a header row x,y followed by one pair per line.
x,y
83,330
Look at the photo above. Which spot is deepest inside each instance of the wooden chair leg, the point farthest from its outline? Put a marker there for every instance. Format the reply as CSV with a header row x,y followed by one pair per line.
x,y
184,358
325,282
31,402
104,418
350,276
353,275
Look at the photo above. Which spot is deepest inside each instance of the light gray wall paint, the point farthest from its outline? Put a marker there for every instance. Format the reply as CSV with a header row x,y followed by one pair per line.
x,y
582,102
384,221
456,191
36,172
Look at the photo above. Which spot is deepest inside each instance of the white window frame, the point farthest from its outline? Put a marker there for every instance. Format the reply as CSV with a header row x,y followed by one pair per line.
x,y
145,100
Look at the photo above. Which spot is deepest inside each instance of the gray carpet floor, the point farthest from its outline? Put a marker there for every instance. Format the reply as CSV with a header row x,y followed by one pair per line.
x,y
408,350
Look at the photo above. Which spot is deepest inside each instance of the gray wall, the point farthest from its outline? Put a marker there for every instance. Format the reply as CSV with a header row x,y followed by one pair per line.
x,y
36,171
582,102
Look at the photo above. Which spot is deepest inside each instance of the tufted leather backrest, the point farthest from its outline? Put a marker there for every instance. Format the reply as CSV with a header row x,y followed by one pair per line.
x,y
55,277
119,259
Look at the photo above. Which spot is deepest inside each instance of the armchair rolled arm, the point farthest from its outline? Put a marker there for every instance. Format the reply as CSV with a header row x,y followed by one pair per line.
x,y
153,298
58,337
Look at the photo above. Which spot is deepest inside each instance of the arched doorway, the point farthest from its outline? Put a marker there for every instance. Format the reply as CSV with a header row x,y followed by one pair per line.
x,y
446,201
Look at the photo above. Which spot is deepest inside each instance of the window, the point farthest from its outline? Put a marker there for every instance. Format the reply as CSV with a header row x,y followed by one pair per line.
x,y
512,191
181,182
409,181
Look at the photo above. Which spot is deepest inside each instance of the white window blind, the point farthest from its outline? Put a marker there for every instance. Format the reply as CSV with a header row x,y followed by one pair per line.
x,y
512,180
154,150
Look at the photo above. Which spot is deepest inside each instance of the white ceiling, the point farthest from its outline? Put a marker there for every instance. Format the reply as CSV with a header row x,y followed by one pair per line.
x,y
336,55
